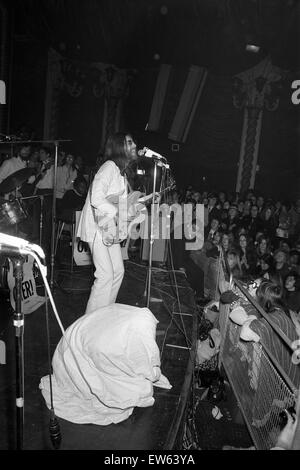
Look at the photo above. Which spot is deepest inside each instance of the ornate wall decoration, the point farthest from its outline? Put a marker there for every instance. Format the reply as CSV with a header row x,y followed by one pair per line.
x,y
76,78
254,91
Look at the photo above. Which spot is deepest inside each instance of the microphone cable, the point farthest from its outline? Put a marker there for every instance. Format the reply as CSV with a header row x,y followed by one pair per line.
x,y
54,427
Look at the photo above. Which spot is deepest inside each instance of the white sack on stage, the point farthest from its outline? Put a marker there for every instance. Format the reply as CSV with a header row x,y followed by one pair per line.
x,y
112,366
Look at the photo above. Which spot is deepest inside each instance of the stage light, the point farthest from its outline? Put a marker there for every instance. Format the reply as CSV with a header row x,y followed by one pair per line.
x,y
252,48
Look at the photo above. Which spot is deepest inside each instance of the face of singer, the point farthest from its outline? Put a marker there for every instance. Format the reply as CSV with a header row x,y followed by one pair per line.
x,y
130,148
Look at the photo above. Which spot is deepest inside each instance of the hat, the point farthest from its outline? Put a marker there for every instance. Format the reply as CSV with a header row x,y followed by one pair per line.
x,y
228,297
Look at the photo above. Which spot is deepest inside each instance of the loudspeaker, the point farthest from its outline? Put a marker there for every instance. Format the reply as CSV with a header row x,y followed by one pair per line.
x,y
159,253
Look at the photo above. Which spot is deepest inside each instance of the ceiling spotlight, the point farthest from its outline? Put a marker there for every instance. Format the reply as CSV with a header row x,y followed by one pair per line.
x,y
252,48
156,57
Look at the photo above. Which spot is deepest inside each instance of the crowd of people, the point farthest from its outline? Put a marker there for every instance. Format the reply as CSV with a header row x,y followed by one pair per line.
x,y
260,237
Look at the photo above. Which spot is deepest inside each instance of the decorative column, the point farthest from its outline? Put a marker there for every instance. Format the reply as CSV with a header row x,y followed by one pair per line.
x,y
254,91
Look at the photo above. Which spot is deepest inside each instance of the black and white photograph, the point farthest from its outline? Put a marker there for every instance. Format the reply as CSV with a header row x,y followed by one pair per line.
x,y
150,228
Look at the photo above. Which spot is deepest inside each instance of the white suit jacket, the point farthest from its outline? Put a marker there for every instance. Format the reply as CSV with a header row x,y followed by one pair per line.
x,y
108,181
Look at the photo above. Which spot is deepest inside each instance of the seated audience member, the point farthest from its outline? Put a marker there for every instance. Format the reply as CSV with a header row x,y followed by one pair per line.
x,y
253,222
234,263
292,291
73,199
294,261
284,220
284,245
232,220
225,242
262,248
266,266
246,255
260,202
210,230
281,265
213,211
231,268
224,215
268,223
246,211
213,250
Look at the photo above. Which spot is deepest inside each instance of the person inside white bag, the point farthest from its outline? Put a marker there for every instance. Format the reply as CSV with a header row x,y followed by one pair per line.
x,y
106,364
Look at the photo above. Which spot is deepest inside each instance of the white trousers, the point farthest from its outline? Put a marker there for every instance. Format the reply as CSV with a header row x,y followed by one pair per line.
x,y
109,273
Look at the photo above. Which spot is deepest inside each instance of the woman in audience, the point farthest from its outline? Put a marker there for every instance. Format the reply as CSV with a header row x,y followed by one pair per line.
x,y
292,291
263,248
266,266
270,297
246,255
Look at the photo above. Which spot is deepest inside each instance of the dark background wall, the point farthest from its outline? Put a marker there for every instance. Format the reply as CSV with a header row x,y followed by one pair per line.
x,y
203,33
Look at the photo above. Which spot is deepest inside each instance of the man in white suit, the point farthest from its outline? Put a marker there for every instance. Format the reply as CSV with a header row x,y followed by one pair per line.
x,y
97,224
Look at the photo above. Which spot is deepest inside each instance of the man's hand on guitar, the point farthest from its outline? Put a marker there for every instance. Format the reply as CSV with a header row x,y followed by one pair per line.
x,y
109,233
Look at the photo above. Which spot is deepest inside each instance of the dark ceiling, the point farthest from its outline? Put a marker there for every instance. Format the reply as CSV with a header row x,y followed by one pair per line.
x,y
145,33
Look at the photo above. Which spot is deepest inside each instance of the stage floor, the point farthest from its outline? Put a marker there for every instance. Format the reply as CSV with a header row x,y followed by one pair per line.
x,y
148,428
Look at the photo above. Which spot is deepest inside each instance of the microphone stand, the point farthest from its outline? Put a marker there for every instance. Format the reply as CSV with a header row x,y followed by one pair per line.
x,y
157,162
56,143
18,322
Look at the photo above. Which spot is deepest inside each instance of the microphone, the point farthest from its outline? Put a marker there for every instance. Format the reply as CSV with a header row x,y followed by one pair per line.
x,y
146,152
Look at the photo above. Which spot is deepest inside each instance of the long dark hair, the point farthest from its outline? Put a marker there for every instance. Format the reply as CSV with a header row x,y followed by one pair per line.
x,y
270,297
115,150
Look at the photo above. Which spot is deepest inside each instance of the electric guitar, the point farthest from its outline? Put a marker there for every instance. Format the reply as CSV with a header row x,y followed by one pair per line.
x,y
130,212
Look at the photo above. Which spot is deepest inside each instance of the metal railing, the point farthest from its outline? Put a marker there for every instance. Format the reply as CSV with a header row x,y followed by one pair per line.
x,y
260,383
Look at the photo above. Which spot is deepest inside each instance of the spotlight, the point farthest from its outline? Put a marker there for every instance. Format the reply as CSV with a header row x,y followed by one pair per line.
x,y
252,48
